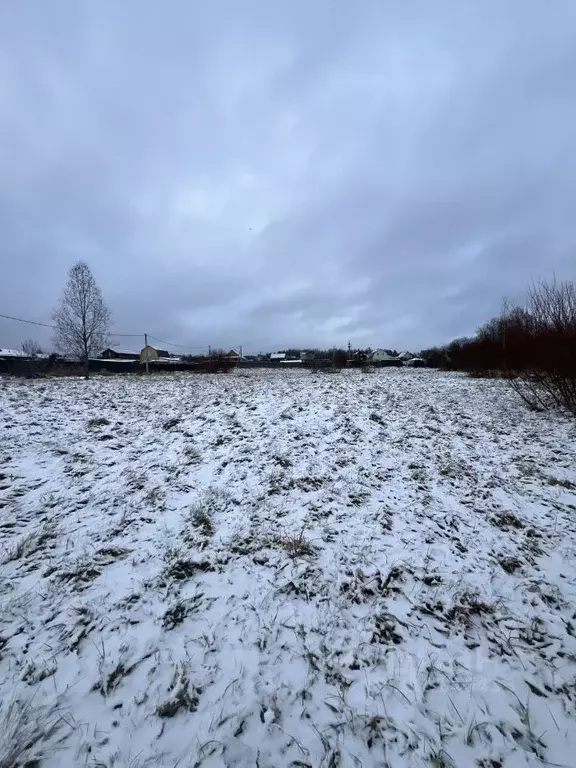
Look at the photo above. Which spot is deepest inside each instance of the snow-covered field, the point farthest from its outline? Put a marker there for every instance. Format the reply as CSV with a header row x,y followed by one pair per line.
x,y
284,569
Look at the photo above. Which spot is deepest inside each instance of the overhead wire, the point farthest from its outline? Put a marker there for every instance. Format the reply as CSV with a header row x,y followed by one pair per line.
x,y
115,335
185,346
31,322
46,325
171,343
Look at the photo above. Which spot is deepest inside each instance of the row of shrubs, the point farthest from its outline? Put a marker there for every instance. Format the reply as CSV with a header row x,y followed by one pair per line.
x,y
534,347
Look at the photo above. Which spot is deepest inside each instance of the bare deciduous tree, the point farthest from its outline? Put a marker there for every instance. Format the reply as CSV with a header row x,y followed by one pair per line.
x,y
31,348
82,319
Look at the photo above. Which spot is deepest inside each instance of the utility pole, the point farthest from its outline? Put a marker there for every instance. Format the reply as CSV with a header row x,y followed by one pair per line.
x,y
146,351
209,351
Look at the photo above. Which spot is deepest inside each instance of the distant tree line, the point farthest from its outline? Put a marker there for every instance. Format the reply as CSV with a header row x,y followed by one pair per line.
x,y
534,347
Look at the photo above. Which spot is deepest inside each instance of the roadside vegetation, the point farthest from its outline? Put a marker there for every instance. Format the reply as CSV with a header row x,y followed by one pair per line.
x,y
533,347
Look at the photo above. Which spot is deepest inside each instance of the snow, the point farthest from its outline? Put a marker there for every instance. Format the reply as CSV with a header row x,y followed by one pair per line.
x,y
20,353
280,568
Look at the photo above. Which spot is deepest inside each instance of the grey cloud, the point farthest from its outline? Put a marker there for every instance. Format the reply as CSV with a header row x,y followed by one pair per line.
x,y
240,173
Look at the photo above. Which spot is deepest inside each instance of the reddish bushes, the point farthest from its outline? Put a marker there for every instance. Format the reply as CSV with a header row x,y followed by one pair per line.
x,y
533,347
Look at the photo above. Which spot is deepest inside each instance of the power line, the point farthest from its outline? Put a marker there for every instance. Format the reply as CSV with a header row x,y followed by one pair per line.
x,y
171,344
45,325
31,322
115,335
185,346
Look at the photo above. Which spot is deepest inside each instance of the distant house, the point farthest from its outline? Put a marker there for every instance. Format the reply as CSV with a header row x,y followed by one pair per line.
x,y
151,353
405,355
19,353
119,354
232,355
277,356
381,358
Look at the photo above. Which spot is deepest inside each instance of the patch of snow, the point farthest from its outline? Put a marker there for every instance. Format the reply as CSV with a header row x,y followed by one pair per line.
x,y
12,352
279,569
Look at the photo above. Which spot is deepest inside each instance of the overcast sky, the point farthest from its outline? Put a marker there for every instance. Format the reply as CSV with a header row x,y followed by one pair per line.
x,y
286,173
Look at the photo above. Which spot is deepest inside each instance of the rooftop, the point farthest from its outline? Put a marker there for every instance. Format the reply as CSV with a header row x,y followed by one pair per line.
x,y
122,351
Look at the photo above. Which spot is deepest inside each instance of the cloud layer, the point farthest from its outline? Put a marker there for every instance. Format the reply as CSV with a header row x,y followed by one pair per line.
x,y
286,173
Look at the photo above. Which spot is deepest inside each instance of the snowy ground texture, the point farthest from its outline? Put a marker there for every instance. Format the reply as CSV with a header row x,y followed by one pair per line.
x,y
285,569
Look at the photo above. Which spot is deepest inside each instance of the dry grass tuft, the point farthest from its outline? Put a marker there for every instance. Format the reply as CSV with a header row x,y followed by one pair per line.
x,y
295,546
99,421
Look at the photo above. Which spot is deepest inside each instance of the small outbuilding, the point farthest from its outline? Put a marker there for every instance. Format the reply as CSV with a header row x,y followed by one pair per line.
x,y
151,353
416,362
